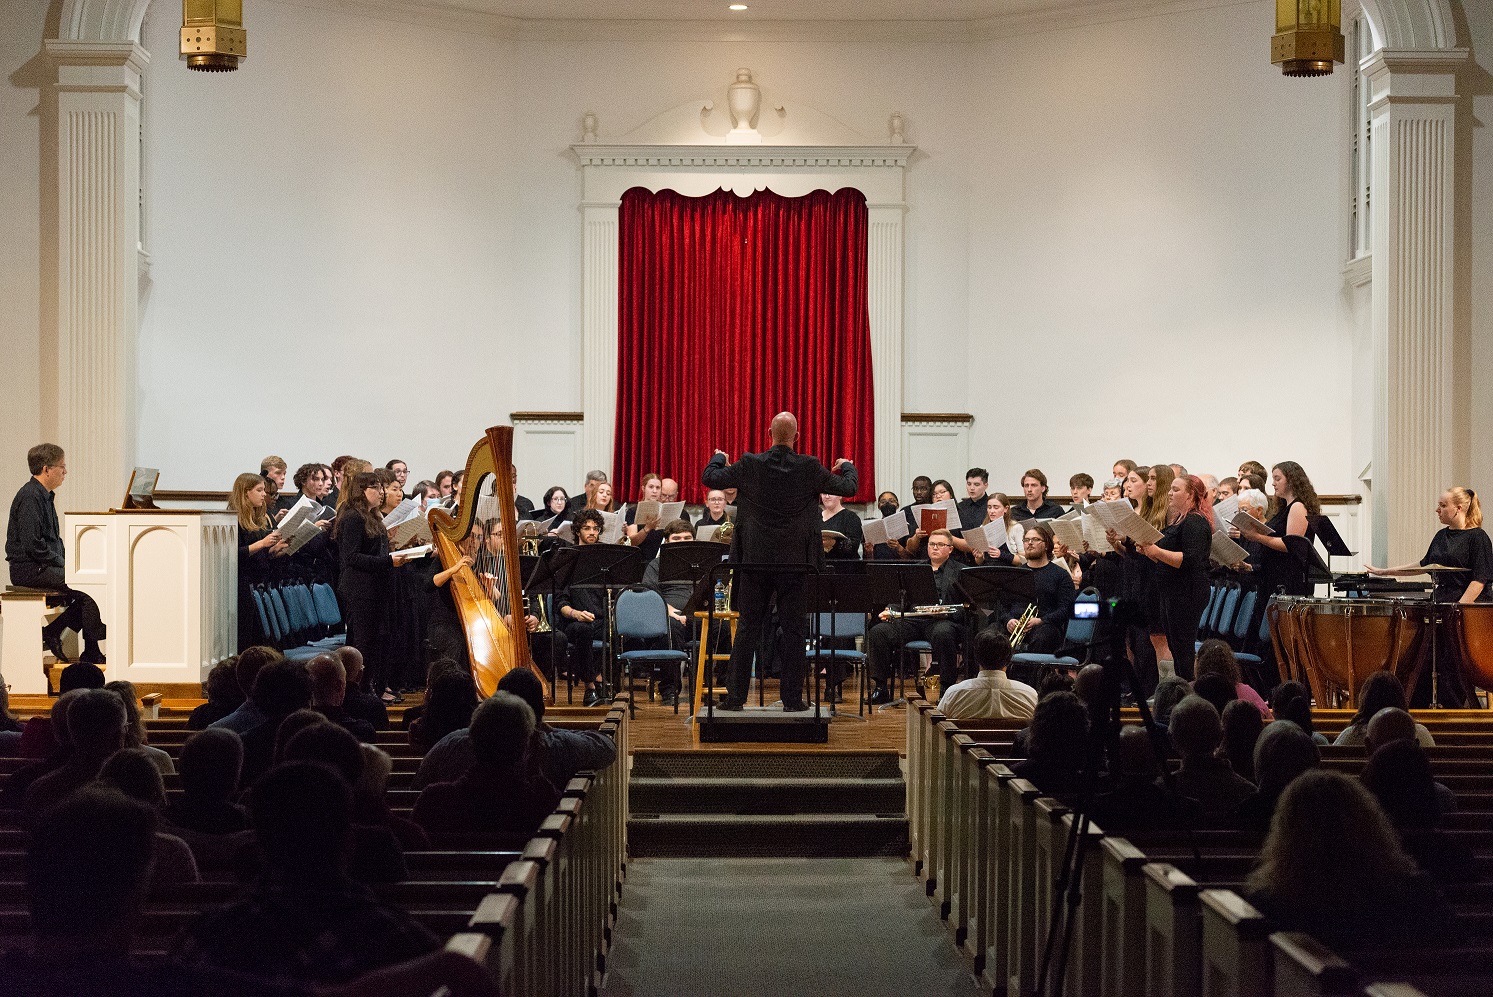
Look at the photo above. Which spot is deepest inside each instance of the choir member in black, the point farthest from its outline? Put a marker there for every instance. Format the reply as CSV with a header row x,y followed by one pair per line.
x,y
972,508
1155,508
647,535
1080,487
1036,506
584,612
715,509
997,506
406,642
1293,514
273,470
401,472
554,507
258,543
583,500
363,584
33,546
945,633
1252,503
913,547
1182,558
1461,543
669,492
1137,574
443,482
1054,596
835,517
887,505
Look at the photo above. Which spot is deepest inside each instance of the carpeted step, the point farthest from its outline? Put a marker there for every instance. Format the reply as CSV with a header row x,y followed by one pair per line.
x,y
733,836
659,795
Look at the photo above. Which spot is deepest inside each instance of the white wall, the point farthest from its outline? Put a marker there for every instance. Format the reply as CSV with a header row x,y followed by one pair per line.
x,y
344,235
1475,217
1158,207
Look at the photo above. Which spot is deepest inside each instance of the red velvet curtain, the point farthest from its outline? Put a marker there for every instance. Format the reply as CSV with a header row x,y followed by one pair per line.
x,y
731,310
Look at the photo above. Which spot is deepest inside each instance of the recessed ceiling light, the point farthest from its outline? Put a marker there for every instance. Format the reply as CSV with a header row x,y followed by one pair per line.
x,y
737,6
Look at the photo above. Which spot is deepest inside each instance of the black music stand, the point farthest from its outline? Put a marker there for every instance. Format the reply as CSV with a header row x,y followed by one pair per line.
x,y
610,567
847,592
1306,552
903,584
546,575
691,561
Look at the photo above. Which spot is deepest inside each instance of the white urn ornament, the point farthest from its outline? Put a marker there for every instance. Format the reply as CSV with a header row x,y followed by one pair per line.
x,y
744,98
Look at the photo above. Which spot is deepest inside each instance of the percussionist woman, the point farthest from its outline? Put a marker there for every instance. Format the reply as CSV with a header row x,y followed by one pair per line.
x,y
1463,544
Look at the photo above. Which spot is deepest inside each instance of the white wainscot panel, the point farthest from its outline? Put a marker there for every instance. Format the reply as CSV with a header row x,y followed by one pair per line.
x,y
160,612
937,449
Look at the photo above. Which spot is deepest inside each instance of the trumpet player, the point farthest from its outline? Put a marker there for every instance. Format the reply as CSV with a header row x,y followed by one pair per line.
x,y
1042,629
946,631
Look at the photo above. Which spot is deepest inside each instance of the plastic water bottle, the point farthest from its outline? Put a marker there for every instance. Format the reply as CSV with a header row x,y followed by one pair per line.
x,y
720,596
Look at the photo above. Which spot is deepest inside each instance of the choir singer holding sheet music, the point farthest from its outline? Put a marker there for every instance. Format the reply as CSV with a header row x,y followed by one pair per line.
x,y
777,522
1182,559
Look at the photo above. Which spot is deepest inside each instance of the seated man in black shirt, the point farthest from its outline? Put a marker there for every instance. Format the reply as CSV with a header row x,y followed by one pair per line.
x,y
945,633
33,546
583,610
1054,596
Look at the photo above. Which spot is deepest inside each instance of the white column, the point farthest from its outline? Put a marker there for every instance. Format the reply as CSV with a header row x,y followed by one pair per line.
x,y
98,239
1416,456
599,334
884,294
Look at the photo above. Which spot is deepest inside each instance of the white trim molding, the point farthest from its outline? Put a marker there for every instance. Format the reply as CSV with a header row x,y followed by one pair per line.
x,y
607,171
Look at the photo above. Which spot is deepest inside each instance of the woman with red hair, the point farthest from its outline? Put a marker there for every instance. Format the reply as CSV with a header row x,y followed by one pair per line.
x,y
1181,557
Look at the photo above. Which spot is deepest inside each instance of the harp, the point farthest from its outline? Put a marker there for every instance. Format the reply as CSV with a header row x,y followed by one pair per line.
x,y
485,597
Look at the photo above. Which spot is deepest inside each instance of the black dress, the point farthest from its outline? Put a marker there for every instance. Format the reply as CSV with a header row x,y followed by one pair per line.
x,y
253,569
1472,551
1183,592
848,523
1280,570
363,588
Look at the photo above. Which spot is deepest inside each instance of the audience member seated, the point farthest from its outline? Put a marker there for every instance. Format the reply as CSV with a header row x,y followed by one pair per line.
x,y
558,755
223,695
328,692
1380,691
331,745
211,761
371,806
1196,732
96,727
448,707
1138,802
1391,725
433,671
37,738
1399,776
280,688
291,726
1217,657
1292,701
134,734
134,773
1333,868
497,794
1216,689
364,706
10,727
250,662
1283,752
1242,727
990,693
1052,680
306,920
13,792
1056,749
87,872
1169,692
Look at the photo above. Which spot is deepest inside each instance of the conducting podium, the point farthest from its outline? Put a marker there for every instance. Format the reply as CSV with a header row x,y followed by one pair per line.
x,y
166,583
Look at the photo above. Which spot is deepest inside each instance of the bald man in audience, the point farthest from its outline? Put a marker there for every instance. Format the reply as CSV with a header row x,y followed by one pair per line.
x,y
328,690
363,705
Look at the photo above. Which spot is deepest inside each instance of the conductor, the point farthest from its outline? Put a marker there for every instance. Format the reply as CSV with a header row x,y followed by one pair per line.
x,y
777,523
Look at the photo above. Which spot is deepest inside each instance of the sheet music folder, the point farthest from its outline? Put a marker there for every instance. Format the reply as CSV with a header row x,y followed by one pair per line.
x,y
140,493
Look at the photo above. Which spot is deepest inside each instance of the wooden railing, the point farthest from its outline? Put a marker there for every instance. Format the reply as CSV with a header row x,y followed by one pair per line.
x,y
987,846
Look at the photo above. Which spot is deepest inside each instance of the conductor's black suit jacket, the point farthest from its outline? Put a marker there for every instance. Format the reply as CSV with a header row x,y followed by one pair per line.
x,y
777,504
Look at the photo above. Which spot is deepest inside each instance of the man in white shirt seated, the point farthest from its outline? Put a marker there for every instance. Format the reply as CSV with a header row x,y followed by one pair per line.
x,y
990,694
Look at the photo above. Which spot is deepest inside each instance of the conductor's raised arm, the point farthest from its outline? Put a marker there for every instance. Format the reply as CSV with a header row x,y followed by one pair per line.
x,y
842,480
719,474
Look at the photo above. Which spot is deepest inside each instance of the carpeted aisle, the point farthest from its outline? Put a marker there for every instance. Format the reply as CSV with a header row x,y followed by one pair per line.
x,y
811,927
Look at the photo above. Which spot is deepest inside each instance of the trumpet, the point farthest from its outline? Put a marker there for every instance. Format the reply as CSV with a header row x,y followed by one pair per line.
x,y
1023,623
